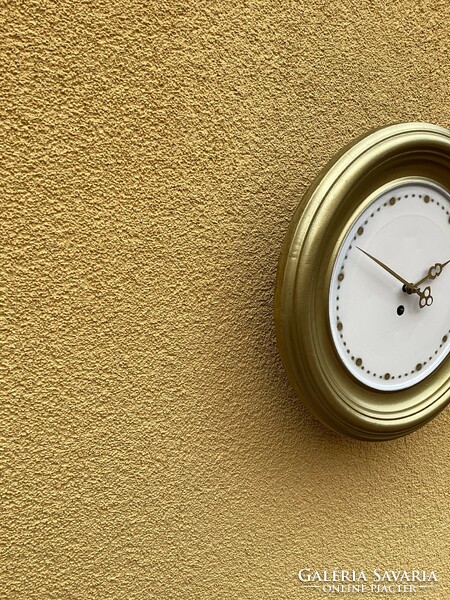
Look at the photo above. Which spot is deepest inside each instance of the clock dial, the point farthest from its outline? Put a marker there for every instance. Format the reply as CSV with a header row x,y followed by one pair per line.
x,y
389,295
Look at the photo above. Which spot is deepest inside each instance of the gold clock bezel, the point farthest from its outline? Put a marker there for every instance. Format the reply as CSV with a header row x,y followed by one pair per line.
x,y
317,230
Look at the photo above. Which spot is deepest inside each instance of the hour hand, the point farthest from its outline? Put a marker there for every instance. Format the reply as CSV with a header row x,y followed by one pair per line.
x,y
433,272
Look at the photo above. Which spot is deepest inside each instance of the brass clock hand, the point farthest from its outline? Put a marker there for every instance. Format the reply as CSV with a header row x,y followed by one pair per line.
x,y
389,270
425,297
433,272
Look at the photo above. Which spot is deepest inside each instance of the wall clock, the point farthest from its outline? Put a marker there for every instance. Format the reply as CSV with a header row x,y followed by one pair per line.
x,y
362,303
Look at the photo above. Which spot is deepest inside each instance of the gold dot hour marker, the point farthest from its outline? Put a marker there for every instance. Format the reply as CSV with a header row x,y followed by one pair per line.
x,y
427,199
387,376
358,362
340,326
418,366
360,230
444,339
392,201
340,276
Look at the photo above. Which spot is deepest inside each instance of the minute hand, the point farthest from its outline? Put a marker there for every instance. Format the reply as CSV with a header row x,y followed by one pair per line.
x,y
388,269
433,272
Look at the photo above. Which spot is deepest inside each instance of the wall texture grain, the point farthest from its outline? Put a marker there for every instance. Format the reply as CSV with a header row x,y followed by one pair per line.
x,y
152,157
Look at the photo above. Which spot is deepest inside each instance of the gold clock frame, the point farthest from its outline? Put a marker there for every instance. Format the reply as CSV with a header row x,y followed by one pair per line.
x,y
317,230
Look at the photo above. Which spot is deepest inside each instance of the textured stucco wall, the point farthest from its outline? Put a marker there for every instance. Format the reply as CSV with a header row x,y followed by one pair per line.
x,y
153,155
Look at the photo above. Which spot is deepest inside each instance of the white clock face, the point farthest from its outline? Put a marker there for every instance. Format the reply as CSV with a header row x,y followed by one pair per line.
x,y
389,303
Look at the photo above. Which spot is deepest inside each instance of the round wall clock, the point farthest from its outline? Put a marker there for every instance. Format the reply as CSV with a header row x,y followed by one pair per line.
x,y
362,304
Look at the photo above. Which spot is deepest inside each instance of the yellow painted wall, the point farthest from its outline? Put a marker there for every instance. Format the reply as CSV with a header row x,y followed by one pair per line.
x,y
153,157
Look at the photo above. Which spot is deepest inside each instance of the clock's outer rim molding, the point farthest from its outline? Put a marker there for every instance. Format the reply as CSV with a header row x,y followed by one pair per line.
x,y
318,227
